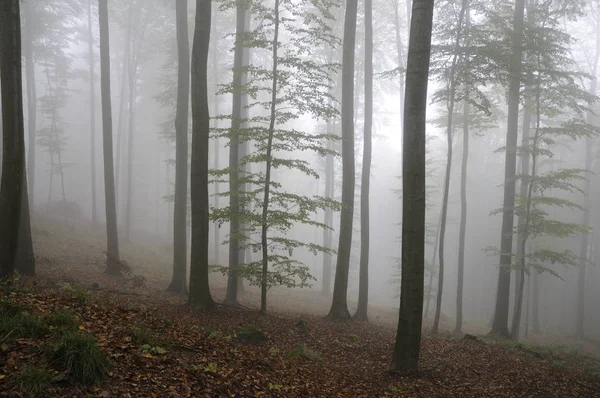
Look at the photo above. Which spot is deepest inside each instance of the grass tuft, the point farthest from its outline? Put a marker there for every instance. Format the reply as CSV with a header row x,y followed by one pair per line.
x,y
32,380
80,356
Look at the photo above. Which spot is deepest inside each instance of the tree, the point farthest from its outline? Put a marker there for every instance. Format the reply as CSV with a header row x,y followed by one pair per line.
x,y
405,358
16,249
234,153
92,61
339,304
363,290
28,14
178,282
451,101
113,265
500,322
297,83
199,294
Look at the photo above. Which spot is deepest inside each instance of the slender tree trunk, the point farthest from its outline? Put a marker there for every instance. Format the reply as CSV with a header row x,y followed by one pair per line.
x,y
265,206
216,150
449,133
584,248
535,310
528,305
500,323
31,96
178,281
400,56
130,143
433,264
363,288
339,305
199,281
405,358
231,296
16,249
521,222
113,266
122,99
92,114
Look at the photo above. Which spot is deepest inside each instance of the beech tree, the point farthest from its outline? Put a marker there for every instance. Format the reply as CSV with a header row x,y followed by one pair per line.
x,y
16,249
199,293
339,304
113,265
178,281
405,358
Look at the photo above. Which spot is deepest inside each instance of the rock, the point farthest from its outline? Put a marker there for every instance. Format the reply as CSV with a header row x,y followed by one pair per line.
x,y
471,337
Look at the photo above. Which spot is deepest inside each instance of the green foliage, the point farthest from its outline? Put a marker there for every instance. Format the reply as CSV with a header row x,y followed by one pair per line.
x,y
16,322
62,318
211,368
275,387
76,292
32,380
303,81
156,350
564,357
80,356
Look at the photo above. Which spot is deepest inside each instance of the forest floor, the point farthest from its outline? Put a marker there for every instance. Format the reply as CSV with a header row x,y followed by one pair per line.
x,y
158,347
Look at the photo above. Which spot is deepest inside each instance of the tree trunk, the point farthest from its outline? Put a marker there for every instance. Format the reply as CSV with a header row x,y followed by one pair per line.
x,y
231,296
363,288
265,207
92,114
339,305
521,220
433,261
535,310
16,249
216,150
31,96
400,57
122,99
178,281
449,133
113,266
405,358
584,249
132,95
500,323
199,282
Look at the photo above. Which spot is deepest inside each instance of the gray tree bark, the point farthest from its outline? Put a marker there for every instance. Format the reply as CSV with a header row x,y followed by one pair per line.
x,y
113,266
405,358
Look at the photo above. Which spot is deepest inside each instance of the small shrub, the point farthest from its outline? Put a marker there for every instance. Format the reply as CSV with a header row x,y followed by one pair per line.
x,y
353,336
80,356
32,380
211,368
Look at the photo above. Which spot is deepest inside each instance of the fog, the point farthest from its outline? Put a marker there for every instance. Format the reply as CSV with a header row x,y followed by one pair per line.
x,y
148,39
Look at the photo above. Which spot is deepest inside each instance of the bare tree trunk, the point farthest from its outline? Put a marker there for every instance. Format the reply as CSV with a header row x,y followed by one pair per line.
x,y
216,150
113,266
535,311
122,99
16,249
92,114
363,288
449,134
178,281
521,222
31,96
405,358
130,185
400,56
433,263
199,286
339,305
231,296
500,323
